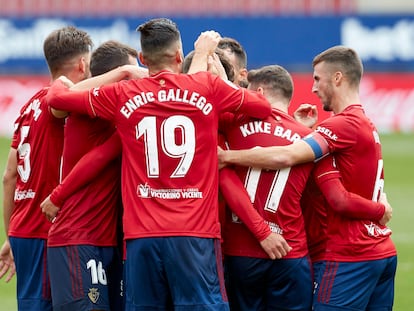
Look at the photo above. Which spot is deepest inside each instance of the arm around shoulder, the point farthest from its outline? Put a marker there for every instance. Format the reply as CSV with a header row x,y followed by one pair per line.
x,y
275,157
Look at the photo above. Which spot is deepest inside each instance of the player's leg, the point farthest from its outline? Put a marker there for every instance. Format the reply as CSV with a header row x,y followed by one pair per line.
x,y
195,273
115,281
289,285
78,277
382,298
347,285
146,286
246,282
33,286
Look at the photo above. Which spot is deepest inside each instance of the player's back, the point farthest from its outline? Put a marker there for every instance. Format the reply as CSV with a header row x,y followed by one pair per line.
x,y
276,194
38,138
358,157
168,126
89,215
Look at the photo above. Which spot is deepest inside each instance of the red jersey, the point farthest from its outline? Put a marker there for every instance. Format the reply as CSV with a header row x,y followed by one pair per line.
x,y
275,193
168,126
38,138
355,144
89,215
314,208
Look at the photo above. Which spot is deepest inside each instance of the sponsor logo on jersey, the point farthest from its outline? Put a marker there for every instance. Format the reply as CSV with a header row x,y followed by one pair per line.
x,y
326,132
375,231
24,194
274,227
145,191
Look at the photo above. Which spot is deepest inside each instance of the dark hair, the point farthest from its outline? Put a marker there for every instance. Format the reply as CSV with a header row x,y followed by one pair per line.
x,y
157,37
109,55
274,78
63,45
342,59
228,67
235,47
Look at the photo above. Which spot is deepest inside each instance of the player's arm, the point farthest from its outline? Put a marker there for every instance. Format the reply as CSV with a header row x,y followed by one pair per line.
x,y
275,157
59,97
346,203
78,97
204,46
7,265
62,113
352,205
87,169
273,244
125,72
310,148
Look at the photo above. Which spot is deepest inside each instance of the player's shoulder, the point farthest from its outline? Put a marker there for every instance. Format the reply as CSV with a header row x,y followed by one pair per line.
x,y
36,100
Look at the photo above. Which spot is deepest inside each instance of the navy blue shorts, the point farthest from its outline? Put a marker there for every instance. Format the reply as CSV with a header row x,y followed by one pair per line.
x,y
33,286
85,277
366,285
265,284
174,273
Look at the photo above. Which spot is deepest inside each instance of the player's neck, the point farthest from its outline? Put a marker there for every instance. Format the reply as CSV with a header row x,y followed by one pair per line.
x,y
155,70
280,105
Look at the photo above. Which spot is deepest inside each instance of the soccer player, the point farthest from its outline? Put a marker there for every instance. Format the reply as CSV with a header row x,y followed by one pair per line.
x,y
255,282
273,244
168,126
32,170
359,258
83,258
238,58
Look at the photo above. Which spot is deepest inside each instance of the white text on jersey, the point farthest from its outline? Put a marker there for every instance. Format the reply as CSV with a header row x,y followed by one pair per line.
x,y
256,127
171,95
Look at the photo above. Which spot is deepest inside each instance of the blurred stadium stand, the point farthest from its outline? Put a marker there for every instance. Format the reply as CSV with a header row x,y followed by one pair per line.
x,y
89,8
287,32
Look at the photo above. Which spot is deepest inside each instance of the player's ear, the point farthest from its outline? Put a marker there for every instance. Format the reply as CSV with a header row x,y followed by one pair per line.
x,y
260,90
338,77
243,74
141,59
82,64
179,56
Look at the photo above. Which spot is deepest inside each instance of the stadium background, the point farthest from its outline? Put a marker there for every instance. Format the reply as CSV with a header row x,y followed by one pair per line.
x,y
286,32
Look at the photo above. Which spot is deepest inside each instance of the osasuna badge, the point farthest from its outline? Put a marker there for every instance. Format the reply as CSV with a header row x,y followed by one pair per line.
x,y
93,294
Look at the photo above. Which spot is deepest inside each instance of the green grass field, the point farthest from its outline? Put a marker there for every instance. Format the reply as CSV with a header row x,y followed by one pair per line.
x,y
398,152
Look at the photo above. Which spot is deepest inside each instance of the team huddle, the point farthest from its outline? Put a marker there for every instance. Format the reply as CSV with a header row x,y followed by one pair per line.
x,y
188,186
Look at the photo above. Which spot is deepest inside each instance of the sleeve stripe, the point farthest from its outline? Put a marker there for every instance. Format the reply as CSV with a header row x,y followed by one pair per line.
x,y
90,103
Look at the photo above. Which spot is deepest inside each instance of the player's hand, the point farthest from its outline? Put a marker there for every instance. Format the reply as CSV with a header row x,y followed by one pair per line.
x,y
134,72
221,157
388,210
49,209
66,81
207,42
7,265
275,246
306,114
215,66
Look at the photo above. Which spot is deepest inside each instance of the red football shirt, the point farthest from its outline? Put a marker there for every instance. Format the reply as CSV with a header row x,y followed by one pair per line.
x,y
355,144
38,138
314,209
89,215
275,193
168,126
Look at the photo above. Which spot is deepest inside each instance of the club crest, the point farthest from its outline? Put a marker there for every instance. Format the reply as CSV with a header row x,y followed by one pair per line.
x,y
93,294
